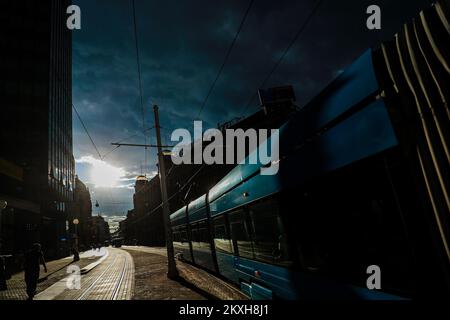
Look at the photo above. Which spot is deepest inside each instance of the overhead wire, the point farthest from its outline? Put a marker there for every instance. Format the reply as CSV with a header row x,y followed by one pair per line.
x,y
123,140
285,52
227,55
263,83
86,130
138,61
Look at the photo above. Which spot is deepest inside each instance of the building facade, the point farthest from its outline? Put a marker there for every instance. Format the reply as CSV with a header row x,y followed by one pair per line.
x,y
144,223
98,231
36,162
81,210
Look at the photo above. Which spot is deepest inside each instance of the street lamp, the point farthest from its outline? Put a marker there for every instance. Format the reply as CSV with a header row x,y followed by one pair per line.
x,y
76,222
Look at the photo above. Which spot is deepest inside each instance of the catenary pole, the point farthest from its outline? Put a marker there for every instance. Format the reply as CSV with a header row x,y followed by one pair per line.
x,y
172,268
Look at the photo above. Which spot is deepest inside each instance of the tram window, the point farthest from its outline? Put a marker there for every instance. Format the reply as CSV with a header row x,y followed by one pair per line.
x,y
194,233
240,234
203,234
176,236
269,239
183,236
221,238
351,221
179,235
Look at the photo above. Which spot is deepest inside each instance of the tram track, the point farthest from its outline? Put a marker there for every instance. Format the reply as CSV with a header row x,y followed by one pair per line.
x,y
98,279
119,283
115,282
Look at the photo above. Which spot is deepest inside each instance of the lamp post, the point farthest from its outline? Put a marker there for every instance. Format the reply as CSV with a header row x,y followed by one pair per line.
x,y
76,256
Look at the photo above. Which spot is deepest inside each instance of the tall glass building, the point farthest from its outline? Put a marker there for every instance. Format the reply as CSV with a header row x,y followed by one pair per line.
x,y
36,160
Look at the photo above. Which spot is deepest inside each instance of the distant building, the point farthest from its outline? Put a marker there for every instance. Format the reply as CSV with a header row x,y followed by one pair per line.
x,y
145,222
98,230
126,229
141,197
36,161
81,210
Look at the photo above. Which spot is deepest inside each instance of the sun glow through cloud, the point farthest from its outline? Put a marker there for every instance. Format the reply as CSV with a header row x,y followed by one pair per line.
x,y
103,174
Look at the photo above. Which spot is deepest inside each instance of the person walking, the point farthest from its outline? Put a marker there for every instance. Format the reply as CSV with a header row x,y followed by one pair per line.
x,y
33,260
3,285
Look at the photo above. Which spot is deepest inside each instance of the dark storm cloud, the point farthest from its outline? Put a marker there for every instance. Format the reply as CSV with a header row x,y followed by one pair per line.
x,y
183,43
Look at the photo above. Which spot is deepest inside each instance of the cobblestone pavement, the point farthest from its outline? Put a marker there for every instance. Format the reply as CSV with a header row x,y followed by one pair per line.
x,y
112,279
198,278
57,270
151,282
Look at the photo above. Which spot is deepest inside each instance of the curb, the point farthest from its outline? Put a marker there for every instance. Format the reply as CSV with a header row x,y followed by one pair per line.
x,y
90,267
85,270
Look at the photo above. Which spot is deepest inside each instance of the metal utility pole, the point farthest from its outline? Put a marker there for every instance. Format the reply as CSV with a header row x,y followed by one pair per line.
x,y
172,267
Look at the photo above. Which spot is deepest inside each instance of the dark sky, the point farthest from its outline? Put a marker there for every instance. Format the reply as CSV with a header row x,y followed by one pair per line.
x,y
182,45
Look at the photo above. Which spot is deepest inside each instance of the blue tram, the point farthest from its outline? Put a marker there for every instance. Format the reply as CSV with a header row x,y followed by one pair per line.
x,y
362,182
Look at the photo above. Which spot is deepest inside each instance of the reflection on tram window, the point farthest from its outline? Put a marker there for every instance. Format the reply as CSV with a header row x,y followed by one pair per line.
x,y
180,237
203,235
342,231
222,240
269,239
240,234
194,234
183,237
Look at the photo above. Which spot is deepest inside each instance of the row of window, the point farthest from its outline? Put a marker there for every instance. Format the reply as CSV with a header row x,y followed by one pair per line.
x,y
338,227
180,236
61,165
255,232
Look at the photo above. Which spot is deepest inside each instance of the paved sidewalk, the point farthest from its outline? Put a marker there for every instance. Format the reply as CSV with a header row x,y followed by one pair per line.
x,y
152,282
111,279
57,270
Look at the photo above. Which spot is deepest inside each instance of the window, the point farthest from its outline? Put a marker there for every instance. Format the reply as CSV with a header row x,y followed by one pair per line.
x,y
222,240
183,237
240,234
176,236
203,235
180,236
269,239
349,221
194,234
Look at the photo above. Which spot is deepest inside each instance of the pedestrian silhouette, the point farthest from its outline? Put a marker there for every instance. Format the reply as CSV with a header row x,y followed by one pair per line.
x,y
33,259
3,285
